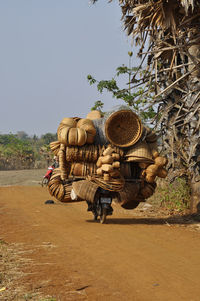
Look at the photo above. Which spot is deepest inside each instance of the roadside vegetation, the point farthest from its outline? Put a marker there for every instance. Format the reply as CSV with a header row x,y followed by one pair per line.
x,y
20,151
173,197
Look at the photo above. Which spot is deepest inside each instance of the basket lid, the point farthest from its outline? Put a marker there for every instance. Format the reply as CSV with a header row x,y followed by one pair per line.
x,y
123,128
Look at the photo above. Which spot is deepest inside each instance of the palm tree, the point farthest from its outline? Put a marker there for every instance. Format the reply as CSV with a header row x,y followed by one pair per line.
x,y
168,35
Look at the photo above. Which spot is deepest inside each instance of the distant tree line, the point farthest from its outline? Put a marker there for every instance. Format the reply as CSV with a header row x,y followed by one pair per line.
x,y
21,151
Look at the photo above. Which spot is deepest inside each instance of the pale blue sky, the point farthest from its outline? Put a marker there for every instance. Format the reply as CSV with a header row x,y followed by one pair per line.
x,y
48,47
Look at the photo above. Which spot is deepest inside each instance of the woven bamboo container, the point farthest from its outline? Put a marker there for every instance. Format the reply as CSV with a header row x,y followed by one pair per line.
x,y
108,159
82,169
152,169
90,138
106,177
94,115
116,164
99,162
129,192
123,128
108,151
86,153
70,122
115,156
99,172
148,190
130,204
150,178
85,190
154,152
139,152
60,192
129,195
72,132
90,129
161,161
62,133
162,173
77,169
62,162
72,136
55,185
58,189
115,173
81,136
107,167
87,125
63,129
55,146
67,194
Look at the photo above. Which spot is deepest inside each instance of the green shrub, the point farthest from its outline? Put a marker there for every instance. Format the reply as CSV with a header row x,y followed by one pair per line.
x,y
174,196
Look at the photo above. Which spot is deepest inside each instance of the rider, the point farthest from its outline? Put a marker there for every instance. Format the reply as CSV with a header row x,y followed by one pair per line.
x,y
56,162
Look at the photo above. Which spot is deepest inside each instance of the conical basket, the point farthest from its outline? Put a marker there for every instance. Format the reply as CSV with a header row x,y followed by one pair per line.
x,y
123,128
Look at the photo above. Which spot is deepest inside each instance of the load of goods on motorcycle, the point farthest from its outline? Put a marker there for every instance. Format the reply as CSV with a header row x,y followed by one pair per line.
x,y
105,159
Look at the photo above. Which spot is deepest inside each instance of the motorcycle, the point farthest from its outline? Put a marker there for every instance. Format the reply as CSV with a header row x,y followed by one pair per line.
x,y
102,205
47,176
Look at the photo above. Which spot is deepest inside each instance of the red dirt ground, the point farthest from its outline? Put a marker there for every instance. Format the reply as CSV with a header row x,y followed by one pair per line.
x,y
132,257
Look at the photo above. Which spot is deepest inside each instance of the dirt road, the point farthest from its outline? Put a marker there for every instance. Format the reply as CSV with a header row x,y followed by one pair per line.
x,y
73,258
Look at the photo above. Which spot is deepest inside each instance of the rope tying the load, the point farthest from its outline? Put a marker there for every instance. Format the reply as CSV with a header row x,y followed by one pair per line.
x,y
111,185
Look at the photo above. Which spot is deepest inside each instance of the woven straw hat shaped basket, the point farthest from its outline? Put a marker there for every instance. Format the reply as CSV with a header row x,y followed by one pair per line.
x,y
123,128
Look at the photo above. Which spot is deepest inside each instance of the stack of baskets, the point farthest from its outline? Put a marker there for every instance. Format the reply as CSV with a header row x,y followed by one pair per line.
x,y
128,165
73,132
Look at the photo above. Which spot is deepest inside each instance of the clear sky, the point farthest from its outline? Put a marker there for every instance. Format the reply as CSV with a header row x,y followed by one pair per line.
x,y
48,47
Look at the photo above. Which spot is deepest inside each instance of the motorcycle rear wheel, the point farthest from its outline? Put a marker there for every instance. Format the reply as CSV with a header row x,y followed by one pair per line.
x,y
103,216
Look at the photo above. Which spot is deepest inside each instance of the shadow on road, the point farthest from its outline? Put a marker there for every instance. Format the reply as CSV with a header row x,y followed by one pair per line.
x,y
173,220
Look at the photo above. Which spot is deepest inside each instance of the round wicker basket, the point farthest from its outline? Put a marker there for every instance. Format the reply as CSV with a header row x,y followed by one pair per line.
x,y
123,128
94,115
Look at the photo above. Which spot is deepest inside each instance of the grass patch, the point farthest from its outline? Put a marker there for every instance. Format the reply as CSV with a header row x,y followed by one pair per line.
x,y
175,196
11,275
2,242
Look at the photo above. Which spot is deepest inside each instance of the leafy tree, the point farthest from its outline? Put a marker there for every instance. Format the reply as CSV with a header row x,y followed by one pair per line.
x,y
135,97
48,138
167,33
21,151
98,105
15,152
22,135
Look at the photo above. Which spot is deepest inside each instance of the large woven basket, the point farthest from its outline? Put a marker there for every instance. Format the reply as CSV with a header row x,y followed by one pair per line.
x,y
140,152
86,153
123,128
129,192
82,169
130,195
85,189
